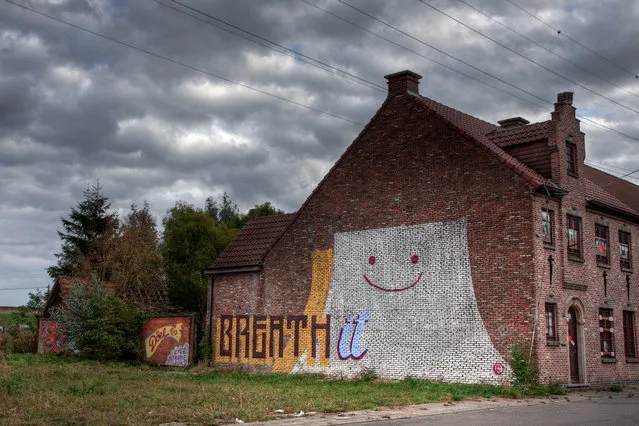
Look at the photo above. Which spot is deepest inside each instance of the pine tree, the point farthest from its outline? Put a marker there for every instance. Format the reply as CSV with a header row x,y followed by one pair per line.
x,y
88,221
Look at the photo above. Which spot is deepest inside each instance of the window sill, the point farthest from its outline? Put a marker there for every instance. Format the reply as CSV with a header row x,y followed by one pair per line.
x,y
604,265
626,270
554,343
573,174
549,246
632,360
609,360
576,259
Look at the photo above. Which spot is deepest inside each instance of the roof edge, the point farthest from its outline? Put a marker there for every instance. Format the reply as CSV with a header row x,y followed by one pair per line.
x,y
232,270
605,208
533,178
330,172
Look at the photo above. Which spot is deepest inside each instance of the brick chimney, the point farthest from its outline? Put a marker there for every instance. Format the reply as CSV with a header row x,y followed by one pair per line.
x,y
513,122
402,82
564,98
563,107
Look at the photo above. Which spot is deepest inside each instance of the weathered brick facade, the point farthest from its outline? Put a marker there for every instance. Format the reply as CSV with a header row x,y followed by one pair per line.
x,y
425,180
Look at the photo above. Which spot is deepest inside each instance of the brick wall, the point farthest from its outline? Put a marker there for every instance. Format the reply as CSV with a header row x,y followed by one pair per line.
x,y
580,282
407,168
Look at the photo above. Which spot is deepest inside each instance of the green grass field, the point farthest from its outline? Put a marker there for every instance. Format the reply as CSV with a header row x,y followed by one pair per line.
x,y
37,389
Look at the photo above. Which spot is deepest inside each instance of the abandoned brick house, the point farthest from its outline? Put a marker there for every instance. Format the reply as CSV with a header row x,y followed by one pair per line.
x,y
434,243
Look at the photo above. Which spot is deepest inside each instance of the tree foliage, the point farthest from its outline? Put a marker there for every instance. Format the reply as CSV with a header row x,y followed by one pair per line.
x,y
98,324
28,314
189,246
128,257
88,221
193,238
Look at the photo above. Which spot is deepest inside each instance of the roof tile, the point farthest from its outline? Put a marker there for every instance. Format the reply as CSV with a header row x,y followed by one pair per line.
x,y
251,244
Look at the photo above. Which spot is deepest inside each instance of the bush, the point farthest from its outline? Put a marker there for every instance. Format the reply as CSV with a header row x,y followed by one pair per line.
x,y
98,324
19,341
525,372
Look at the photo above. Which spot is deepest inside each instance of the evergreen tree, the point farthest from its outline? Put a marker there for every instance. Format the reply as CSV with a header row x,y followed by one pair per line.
x,y
88,221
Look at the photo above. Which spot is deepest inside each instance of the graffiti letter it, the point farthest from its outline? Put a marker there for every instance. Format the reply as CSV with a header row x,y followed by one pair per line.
x,y
348,342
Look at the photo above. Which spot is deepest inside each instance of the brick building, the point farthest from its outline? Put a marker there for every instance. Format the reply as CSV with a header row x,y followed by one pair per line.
x,y
435,242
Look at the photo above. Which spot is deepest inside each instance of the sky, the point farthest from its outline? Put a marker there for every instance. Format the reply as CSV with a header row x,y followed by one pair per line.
x,y
172,104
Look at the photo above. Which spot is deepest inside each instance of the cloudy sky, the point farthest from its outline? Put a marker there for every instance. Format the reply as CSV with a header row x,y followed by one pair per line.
x,y
172,124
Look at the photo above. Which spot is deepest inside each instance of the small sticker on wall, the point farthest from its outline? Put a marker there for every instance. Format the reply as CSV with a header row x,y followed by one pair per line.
x,y
498,368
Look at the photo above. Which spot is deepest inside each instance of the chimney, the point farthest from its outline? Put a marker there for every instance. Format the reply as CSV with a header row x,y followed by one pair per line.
x,y
513,122
402,82
565,98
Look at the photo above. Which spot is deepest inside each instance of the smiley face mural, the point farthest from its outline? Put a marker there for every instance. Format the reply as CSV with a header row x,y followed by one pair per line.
x,y
398,301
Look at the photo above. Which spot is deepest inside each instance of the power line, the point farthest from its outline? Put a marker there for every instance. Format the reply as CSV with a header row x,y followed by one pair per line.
x,y
23,288
573,40
585,119
442,51
610,165
620,177
576,65
525,57
612,172
287,51
159,56
468,76
176,62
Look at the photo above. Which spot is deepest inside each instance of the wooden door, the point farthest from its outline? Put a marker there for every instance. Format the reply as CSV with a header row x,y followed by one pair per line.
x,y
573,346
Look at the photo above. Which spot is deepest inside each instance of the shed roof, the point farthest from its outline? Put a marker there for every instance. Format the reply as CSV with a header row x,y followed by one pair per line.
x,y
252,242
149,300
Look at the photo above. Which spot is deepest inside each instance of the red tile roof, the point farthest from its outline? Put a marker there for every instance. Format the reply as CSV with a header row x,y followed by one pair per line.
x,y
477,130
522,134
254,240
619,188
593,192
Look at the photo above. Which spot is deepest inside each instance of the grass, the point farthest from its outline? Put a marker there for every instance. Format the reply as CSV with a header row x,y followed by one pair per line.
x,y
38,389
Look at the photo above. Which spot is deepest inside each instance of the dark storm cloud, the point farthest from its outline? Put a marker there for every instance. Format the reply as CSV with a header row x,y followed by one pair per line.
x,y
75,108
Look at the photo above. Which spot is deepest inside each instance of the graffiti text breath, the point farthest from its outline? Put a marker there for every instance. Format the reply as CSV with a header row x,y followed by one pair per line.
x,y
153,340
348,341
260,336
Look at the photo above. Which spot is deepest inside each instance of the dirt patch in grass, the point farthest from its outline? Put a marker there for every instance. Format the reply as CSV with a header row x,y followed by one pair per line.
x,y
50,390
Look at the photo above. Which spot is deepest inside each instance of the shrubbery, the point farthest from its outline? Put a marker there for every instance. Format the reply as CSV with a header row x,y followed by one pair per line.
x,y
525,372
98,324
19,340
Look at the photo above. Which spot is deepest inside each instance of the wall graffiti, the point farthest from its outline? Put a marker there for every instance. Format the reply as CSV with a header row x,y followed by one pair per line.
x,y
153,340
50,338
348,343
399,301
179,356
169,340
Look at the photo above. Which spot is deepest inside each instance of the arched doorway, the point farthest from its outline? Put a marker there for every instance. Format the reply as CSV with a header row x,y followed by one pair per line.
x,y
576,357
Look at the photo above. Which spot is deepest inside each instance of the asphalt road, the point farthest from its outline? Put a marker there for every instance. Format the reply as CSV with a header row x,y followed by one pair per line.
x,y
596,411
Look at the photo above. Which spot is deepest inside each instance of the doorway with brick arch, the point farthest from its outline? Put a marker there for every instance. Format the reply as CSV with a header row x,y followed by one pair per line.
x,y
576,342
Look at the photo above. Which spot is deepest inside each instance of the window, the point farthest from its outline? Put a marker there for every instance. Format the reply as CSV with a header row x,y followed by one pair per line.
x,y
624,251
551,323
601,243
630,345
571,158
546,226
574,237
606,333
